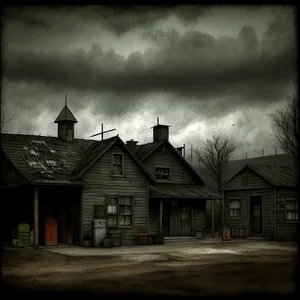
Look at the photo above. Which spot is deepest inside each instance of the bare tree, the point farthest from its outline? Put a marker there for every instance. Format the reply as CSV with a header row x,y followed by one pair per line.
x,y
215,155
4,119
286,127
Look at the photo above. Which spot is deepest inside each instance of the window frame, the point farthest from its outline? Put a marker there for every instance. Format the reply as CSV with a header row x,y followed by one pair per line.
x,y
161,174
117,214
235,209
293,210
114,163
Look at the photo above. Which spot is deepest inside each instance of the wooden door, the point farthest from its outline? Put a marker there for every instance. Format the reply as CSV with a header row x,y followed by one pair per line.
x,y
256,215
186,219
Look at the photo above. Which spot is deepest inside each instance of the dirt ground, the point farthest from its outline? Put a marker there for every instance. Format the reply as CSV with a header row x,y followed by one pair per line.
x,y
180,271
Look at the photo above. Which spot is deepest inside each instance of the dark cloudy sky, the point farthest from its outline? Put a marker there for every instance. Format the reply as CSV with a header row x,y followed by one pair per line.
x,y
197,68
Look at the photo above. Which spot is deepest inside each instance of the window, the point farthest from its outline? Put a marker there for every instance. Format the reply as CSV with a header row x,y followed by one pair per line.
x,y
244,180
291,208
118,164
119,211
162,173
235,208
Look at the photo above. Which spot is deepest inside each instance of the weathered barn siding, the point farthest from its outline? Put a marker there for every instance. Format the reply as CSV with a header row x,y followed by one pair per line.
x,y
178,172
244,221
286,230
99,183
254,181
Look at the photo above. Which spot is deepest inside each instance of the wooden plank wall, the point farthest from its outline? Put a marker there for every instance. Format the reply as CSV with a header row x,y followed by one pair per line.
x,y
99,183
179,173
254,181
244,220
285,230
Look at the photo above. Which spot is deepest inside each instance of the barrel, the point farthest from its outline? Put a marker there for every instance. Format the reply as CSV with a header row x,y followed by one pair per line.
x,y
143,239
150,239
199,234
116,239
226,233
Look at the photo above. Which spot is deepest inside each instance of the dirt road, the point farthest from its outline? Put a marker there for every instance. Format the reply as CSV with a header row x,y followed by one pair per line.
x,y
260,271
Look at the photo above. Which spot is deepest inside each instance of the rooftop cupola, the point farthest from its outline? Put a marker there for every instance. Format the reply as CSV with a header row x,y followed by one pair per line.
x,y
160,132
66,121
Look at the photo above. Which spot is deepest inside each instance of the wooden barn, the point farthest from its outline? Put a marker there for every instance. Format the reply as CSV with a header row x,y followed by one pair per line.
x,y
75,182
262,201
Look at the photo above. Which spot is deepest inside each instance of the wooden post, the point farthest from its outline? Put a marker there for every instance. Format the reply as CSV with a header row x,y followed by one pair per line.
x,y
148,203
213,218
36,218
161,216
223,208
275,213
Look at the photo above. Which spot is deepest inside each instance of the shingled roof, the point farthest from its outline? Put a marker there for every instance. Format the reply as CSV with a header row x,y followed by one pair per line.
x,y
44,159
276,176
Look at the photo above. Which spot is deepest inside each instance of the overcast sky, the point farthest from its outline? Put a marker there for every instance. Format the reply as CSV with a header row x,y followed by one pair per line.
x,y
198,69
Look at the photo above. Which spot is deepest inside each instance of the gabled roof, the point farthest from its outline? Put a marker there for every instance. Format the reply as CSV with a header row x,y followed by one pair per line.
x,y
44,159
234,166
145,150
276,176
98,149
65,115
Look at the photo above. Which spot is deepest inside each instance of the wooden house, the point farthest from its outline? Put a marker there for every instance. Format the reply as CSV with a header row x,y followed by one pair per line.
x,y
149,188
262,200
177,203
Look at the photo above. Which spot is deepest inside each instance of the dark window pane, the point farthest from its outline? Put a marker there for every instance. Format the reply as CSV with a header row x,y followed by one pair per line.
x,y
117,169
118,158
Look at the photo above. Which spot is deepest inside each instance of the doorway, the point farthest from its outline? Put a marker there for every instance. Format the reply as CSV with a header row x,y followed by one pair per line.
x,y
186,219
256,215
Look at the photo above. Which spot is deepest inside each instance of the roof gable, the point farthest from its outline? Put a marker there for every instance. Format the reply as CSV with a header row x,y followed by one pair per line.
x,y
145,151
276,176
98,149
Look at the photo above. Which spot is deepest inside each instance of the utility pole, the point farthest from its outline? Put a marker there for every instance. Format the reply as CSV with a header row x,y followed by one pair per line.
x,y
275,149
191,155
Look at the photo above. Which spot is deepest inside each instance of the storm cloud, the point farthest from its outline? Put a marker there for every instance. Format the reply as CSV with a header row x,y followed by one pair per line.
x,y
118,62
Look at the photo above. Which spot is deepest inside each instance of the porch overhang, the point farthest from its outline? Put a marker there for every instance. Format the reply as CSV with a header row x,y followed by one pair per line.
x,y
173,191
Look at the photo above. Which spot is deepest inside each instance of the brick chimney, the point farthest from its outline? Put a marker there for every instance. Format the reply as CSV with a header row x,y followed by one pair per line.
x,y
131,144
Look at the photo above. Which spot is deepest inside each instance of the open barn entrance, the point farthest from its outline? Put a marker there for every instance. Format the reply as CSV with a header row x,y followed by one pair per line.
x,y
62,204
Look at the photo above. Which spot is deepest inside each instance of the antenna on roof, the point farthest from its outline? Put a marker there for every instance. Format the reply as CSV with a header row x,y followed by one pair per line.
x,y
66,99
157,120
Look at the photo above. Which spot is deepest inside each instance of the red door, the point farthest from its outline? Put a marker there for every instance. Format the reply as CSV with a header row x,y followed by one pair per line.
x,y
50,232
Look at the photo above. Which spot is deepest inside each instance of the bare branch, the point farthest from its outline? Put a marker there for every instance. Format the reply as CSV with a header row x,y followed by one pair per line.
x,y
215,154
4,121
286,127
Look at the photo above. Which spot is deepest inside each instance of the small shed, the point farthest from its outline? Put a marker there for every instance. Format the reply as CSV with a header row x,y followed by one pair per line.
x,y
262,201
